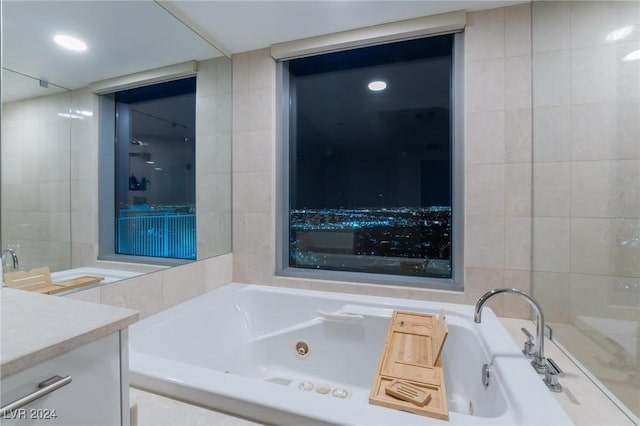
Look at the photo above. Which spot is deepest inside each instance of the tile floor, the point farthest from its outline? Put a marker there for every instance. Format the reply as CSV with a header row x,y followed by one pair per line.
x,y
156,410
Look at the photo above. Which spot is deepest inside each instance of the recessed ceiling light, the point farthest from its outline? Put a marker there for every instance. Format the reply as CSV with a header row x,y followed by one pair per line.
x,y
620,33
157,168
376,86
151,162
70,43
633,56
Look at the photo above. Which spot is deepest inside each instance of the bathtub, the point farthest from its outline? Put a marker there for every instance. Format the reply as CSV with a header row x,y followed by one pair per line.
x,y
287,356
110,275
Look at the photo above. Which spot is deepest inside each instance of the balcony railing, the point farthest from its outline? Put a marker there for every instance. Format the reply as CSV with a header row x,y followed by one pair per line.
x,y
163,233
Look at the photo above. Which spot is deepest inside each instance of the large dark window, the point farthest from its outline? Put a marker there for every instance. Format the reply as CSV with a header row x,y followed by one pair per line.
x,y
370,159
155,170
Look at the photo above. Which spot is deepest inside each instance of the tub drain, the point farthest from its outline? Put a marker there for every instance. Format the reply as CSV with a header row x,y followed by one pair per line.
x,y
302,349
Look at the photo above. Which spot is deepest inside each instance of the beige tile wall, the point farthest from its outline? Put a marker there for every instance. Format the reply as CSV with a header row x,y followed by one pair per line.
x,y
213,156
84,181
161,288
50,202
213,170
498,154
156,291
497,167
36,192
586,161
254,167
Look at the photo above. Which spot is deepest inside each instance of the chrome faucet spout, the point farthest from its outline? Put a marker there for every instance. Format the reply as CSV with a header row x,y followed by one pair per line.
x,y
14,258
538,362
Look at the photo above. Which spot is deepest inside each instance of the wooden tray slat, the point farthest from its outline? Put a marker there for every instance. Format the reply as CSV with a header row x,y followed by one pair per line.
x,y
412,354
38,280
408,392
79,281
60,286
436,407
440,333
28,280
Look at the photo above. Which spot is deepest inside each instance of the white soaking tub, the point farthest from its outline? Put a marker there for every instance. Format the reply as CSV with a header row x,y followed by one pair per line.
x,y
241,349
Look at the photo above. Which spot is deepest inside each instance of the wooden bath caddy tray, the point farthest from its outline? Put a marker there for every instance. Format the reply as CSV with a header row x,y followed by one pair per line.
x,y
39,280
410,376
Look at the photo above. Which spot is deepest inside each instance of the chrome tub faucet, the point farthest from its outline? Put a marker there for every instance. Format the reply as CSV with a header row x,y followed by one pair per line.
x,y
14,259
538,362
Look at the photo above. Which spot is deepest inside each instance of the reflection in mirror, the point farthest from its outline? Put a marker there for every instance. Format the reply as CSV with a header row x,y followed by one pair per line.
x,y
154,170
50,152
36,133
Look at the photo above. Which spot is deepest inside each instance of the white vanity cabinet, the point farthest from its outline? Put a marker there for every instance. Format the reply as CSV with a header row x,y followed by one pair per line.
x,y
92,397
65,363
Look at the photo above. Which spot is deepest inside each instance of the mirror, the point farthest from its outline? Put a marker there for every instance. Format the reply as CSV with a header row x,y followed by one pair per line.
x,y
51,124
36,179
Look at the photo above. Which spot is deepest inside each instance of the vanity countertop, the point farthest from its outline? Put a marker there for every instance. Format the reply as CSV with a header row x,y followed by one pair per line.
x,y
36,327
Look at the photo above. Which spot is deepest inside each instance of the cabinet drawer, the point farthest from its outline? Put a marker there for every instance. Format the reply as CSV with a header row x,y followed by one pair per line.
x,y
91,398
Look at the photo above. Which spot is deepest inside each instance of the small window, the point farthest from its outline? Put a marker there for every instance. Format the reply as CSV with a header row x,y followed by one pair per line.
x,y
371,160
155,170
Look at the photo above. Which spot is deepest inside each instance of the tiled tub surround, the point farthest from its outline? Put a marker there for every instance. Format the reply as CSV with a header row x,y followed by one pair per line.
x,y
503,233
586,180
156,291
586,159
498,153
249,366
534,209
498,233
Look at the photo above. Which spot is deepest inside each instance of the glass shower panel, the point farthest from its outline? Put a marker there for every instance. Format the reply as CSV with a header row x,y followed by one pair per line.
x,y
586,184
36,191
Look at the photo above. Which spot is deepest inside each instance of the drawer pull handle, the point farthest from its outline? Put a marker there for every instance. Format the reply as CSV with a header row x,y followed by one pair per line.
x,y
46,387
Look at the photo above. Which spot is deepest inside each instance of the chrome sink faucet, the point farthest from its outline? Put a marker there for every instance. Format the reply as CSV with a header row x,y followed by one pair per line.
x,y
14,258
539,361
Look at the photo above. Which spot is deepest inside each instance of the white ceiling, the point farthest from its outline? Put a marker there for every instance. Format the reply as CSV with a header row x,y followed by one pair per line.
x,y
123,37
17,86
238,26
130,36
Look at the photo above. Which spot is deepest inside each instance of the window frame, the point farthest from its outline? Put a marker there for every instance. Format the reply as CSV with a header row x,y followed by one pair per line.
x,y
283,104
